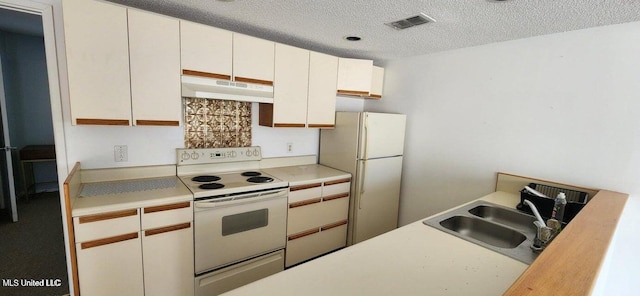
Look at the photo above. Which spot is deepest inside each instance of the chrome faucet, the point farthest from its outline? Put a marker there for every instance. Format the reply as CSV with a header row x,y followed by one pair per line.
x,y
546,231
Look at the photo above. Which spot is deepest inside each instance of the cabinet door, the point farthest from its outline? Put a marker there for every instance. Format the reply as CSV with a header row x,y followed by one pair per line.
x,y
377,80
291,86
168,260
111,266
354,76
206,51
253,59
321,103
154,50
98,62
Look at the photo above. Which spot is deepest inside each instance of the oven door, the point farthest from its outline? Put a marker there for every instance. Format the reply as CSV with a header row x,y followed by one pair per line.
x,y
231,231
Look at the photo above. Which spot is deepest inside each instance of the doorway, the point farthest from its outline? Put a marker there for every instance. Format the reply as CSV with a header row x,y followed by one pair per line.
x,y
32,247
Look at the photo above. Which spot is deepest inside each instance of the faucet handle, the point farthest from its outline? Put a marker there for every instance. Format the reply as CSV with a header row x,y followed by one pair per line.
x,y
554,224
543,236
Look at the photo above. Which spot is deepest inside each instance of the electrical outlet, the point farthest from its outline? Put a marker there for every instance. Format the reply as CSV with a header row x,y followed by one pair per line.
x,y
289,147
120,153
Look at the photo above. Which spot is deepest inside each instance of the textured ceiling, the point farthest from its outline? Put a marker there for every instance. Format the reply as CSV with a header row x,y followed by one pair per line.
x,y
321,25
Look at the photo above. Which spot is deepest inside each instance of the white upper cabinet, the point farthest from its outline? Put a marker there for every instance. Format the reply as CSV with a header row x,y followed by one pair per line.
x,y
154,53
377,80
97,49
321,104
304,90
206,51
354,76
253,59
289,108
122,64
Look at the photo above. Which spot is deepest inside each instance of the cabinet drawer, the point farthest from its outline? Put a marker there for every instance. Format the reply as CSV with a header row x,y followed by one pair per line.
x,y
229,278
305,192
317,214
336,187
306,247
92,227
164,215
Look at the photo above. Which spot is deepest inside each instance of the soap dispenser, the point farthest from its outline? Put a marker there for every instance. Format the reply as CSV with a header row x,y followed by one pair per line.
x,y
558,208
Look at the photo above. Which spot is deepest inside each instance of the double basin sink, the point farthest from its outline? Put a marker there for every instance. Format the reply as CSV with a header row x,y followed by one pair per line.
x,y
500,229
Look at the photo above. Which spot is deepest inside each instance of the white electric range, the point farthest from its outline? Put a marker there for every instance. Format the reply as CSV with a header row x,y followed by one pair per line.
x,y
240,215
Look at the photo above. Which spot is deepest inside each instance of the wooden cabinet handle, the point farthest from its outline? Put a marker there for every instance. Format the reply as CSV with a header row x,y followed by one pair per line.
x,y
157,122
337,196
352,92
169,207
321,125
303,234
304,203
334,182
94,121
206,74
305,186
288,125
333,225
107,216
109,240
251,80
167,229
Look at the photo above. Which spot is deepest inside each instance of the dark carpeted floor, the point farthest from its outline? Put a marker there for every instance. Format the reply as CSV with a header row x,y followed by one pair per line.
x,y
32,249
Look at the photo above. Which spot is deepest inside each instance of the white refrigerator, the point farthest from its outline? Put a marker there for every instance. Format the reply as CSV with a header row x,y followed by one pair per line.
x,y
370,147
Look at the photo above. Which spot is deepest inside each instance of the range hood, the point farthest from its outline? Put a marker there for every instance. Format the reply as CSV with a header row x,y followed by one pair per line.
x,y
211,88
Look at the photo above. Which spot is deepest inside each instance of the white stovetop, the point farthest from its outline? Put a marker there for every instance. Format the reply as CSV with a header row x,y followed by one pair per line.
x,y
233,182
412,260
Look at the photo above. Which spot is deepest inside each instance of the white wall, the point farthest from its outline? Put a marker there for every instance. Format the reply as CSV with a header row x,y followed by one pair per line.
x,y
562,107
93,145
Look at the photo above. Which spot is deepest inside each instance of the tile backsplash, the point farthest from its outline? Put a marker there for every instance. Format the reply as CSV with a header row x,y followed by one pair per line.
x,y
210,123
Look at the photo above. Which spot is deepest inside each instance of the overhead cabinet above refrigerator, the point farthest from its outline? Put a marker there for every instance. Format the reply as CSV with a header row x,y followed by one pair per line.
x,y
370,147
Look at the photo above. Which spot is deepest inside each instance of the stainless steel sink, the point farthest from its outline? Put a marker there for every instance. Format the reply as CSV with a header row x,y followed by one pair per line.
x,y
482,230
492,226
505,216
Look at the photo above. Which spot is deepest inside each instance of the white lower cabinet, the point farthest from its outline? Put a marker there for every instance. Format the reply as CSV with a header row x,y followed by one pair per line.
x,y
146,251
109,263
317,219
111,269
168,260
317,243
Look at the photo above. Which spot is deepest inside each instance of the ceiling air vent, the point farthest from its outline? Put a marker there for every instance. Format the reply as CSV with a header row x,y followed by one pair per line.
x,y
409,22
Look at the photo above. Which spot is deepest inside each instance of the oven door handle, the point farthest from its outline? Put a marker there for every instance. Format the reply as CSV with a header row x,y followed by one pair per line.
x,y
238,200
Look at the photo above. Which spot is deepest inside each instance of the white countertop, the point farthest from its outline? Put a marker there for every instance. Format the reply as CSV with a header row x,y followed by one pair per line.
x,y
301,174
88,205
412,260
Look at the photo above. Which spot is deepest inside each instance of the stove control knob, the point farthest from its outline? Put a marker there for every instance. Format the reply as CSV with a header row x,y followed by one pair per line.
x,y
248,153
256,152
195,155
233,154
185,156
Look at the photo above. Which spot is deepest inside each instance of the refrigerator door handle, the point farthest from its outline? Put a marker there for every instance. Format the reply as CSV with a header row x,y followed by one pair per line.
x,y
366,136
362,180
